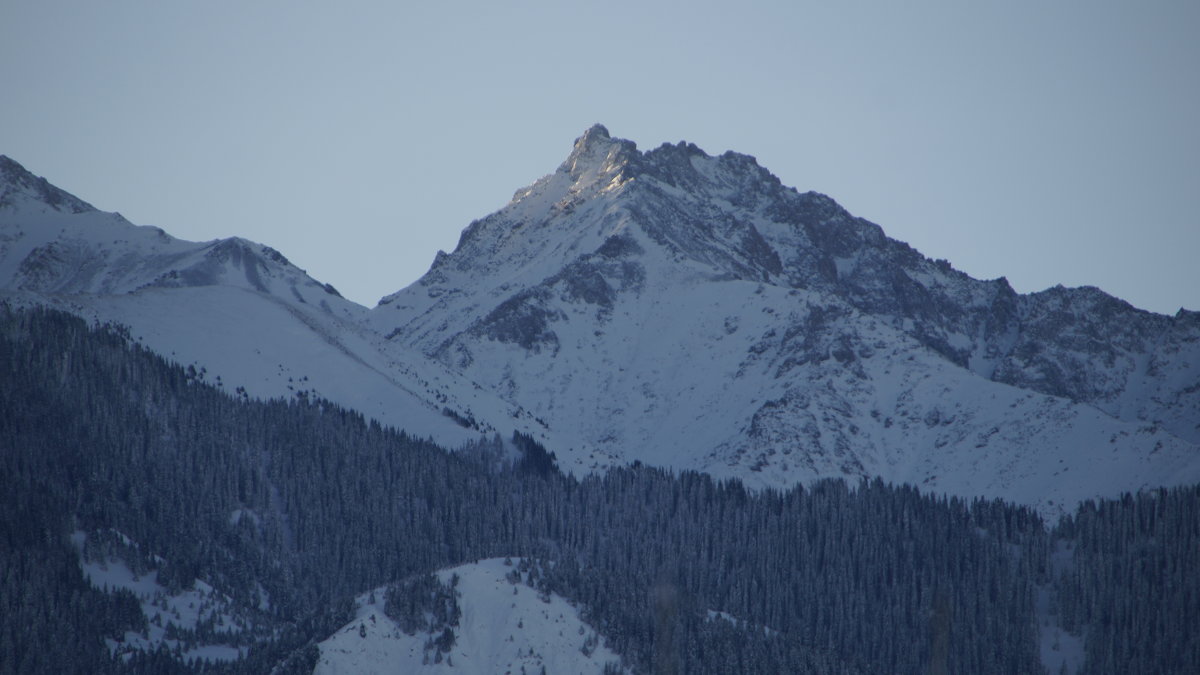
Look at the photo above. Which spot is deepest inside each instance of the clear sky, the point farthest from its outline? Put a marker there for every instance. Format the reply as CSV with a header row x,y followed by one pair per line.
x,y
1049,142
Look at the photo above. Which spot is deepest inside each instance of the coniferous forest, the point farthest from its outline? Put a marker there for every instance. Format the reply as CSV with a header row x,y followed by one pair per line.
x,y
100,436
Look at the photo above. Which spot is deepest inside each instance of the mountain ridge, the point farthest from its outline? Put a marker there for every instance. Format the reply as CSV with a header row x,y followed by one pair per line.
x,y
829,250
16,181
679,309
236,310
661,314
617,236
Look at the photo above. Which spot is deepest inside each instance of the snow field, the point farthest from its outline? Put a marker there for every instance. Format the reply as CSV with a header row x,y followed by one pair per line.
x,y
505,627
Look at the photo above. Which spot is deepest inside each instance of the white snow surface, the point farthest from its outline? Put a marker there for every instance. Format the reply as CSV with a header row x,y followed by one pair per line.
x,y
184,609
500,631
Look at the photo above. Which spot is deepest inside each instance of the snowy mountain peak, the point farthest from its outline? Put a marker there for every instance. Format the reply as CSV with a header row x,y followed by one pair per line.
x,y
595,133
597,156
593,137
20,189
593,295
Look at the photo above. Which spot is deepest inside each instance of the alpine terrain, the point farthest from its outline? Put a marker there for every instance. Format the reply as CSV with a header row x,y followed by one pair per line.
x,y
691,311
239,313
659,413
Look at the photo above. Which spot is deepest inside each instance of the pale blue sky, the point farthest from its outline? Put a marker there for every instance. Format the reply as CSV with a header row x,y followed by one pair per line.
x,y
1050,142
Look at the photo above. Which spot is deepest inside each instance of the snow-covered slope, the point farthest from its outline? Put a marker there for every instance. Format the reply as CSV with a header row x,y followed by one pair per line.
x,y
243,315
690,311
505,627
61,245
196,622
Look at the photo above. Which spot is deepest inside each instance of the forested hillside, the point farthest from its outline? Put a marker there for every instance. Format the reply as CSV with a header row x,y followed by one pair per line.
x,y
289,508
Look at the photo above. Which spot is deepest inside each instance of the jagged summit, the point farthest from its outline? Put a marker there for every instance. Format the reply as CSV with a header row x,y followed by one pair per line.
x,y
691,310
725,214
20,188
597,133
597,156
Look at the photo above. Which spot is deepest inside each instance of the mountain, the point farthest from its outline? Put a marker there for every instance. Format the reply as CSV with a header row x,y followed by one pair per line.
x,y
673,308
633,309
238,312
691,311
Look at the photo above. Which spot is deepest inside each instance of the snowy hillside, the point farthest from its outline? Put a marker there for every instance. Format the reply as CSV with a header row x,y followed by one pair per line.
x,y
505,627
690,311
195,622
239,312
52,243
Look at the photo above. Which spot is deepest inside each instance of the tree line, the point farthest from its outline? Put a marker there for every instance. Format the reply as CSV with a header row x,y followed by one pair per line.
x,y
100,434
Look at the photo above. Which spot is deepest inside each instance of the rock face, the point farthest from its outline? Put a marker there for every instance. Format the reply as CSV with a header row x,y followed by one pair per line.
x,y
690,310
